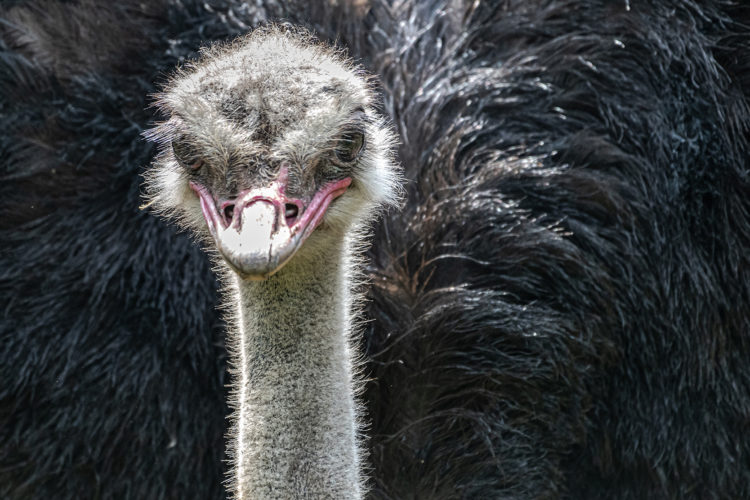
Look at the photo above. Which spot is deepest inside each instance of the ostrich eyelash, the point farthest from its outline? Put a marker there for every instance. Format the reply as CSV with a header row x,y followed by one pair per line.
x,y
350,146
186,156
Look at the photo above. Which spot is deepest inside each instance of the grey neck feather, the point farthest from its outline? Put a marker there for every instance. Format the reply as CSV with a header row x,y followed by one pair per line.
x,y
296,427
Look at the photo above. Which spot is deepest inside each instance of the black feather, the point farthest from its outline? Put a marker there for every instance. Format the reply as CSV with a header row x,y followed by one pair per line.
x,y
561,310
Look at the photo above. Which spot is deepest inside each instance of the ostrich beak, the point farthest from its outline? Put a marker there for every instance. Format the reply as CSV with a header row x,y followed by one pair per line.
x,y
261,229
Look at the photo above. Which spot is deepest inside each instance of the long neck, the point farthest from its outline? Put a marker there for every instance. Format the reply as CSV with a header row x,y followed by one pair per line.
x,y
296,419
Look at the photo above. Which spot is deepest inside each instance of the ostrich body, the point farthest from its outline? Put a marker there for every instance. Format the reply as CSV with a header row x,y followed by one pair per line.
x,y
278,160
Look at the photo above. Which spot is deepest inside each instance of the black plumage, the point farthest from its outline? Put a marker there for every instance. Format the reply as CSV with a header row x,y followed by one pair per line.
x,y
560,310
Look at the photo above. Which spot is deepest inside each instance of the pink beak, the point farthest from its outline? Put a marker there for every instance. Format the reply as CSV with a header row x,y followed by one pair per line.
x,y
260,230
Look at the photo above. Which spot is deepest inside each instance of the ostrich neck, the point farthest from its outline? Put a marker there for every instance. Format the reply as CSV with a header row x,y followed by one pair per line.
x,y
296,421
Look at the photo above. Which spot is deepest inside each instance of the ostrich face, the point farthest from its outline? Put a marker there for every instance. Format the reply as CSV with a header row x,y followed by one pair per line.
x,y
271,142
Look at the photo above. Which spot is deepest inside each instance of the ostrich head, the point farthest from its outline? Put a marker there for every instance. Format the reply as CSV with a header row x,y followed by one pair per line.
x,y
272,142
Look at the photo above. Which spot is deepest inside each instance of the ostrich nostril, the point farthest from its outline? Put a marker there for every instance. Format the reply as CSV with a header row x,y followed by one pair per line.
x,y
290,211
228,213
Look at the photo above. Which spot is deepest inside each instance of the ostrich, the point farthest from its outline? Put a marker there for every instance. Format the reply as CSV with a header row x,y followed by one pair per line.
x,y
557,310
274,155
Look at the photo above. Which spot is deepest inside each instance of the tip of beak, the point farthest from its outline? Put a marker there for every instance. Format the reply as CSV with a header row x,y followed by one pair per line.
x,y
257,241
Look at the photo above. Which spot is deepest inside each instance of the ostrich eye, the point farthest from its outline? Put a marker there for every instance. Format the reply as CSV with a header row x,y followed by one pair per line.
x,y
186,155
350,146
